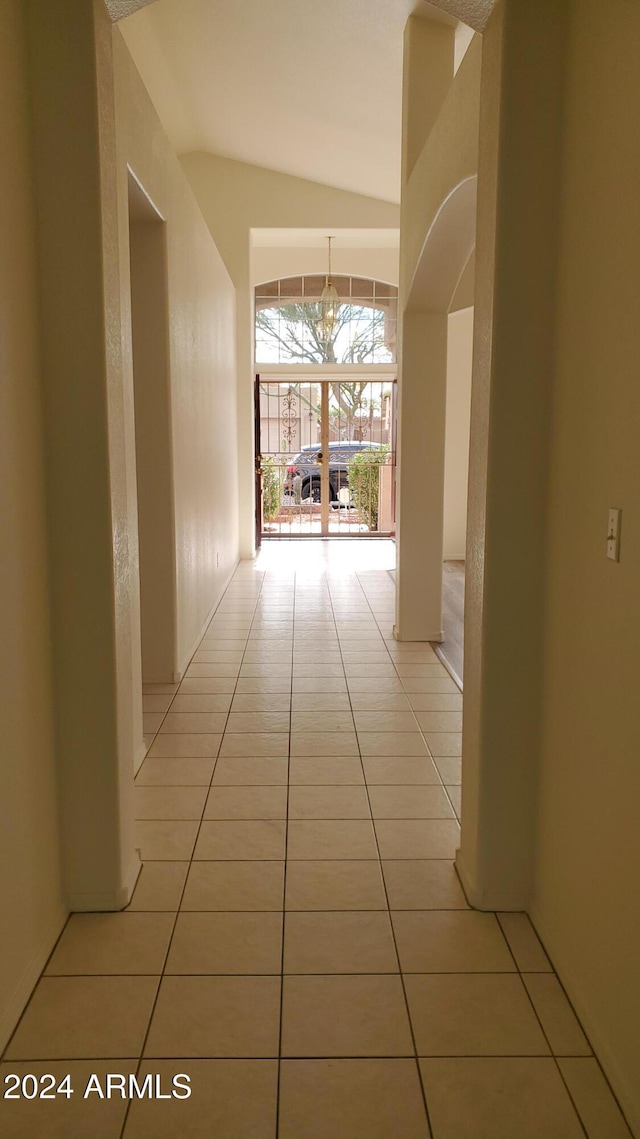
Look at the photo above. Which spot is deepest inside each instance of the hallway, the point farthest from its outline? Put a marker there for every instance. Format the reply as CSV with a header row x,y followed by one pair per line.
x,y
307,764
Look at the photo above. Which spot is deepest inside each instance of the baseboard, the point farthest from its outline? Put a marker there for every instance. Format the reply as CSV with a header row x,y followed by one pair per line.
x,y
108,901
449,667
480,899
626,1093
466,881
409,640
178,675
125,894
30,976
139,757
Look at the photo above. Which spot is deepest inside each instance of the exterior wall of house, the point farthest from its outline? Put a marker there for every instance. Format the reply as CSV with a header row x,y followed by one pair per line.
x,y
586,900
33,908
234,198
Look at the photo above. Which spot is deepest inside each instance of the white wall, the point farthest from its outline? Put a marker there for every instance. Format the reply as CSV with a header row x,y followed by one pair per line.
x,y
270,263
70,612
551,745
587,873
437,239
153,438
201,304
456,446
448,158
30,882
463,37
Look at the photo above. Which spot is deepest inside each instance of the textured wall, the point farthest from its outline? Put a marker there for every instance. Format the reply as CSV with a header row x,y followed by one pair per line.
x,y
587,884
202,360
456,445
30,886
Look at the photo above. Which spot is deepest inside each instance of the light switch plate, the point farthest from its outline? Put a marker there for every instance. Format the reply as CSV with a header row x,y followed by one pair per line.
x,y
613,534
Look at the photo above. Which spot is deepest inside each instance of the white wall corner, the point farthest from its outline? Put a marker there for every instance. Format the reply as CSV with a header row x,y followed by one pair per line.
x,y
480,898
109,901
467,882
125,893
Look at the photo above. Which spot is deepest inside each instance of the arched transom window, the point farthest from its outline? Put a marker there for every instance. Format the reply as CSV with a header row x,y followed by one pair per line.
x,y
290,328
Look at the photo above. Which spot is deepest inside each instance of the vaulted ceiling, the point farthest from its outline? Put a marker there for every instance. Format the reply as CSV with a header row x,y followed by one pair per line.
x,y
471,12
308,88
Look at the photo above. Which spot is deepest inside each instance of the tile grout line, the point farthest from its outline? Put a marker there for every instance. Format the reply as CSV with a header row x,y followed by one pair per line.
x,y
284,873
556,1056
391,926
517,971
125,909
517,967
184,887
347,973
402,972
189,663
552,1053
429,752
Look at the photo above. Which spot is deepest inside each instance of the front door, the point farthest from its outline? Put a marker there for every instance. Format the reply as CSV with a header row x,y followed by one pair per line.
x,y
324,457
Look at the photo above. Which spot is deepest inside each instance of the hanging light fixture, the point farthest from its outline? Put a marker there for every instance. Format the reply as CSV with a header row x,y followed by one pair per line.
x,y
329,303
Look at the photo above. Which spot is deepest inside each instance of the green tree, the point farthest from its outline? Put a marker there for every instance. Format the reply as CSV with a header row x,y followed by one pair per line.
x,y
364,484
271,489
294,333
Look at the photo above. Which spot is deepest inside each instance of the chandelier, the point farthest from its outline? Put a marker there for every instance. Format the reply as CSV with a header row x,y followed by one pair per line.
x,y
329,304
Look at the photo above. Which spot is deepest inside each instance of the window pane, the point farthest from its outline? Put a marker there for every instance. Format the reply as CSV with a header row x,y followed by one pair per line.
x,y
290,328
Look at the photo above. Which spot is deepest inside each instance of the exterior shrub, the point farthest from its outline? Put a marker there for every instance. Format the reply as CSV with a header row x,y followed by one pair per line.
x,y
271,489
364,484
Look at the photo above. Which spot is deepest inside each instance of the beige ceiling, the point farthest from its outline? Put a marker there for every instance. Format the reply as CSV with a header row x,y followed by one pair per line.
x,y
306,87
118,9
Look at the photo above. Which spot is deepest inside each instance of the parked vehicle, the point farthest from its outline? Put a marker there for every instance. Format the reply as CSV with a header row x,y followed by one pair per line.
x,y
306,465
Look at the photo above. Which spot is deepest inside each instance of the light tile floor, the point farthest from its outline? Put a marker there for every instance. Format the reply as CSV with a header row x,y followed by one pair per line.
x,y
298,942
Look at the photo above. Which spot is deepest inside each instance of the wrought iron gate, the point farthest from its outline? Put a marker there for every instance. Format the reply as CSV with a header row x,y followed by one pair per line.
x,y
325,457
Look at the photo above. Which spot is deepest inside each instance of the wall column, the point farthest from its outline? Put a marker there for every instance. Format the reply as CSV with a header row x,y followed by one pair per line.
x,y
92,539
420,489
422,365
517,234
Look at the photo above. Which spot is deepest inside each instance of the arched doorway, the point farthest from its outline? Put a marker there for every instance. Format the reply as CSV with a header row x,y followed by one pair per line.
x,y
422,420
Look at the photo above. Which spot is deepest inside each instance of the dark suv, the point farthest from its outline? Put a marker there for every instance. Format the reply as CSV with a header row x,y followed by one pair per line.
x,y
306,465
